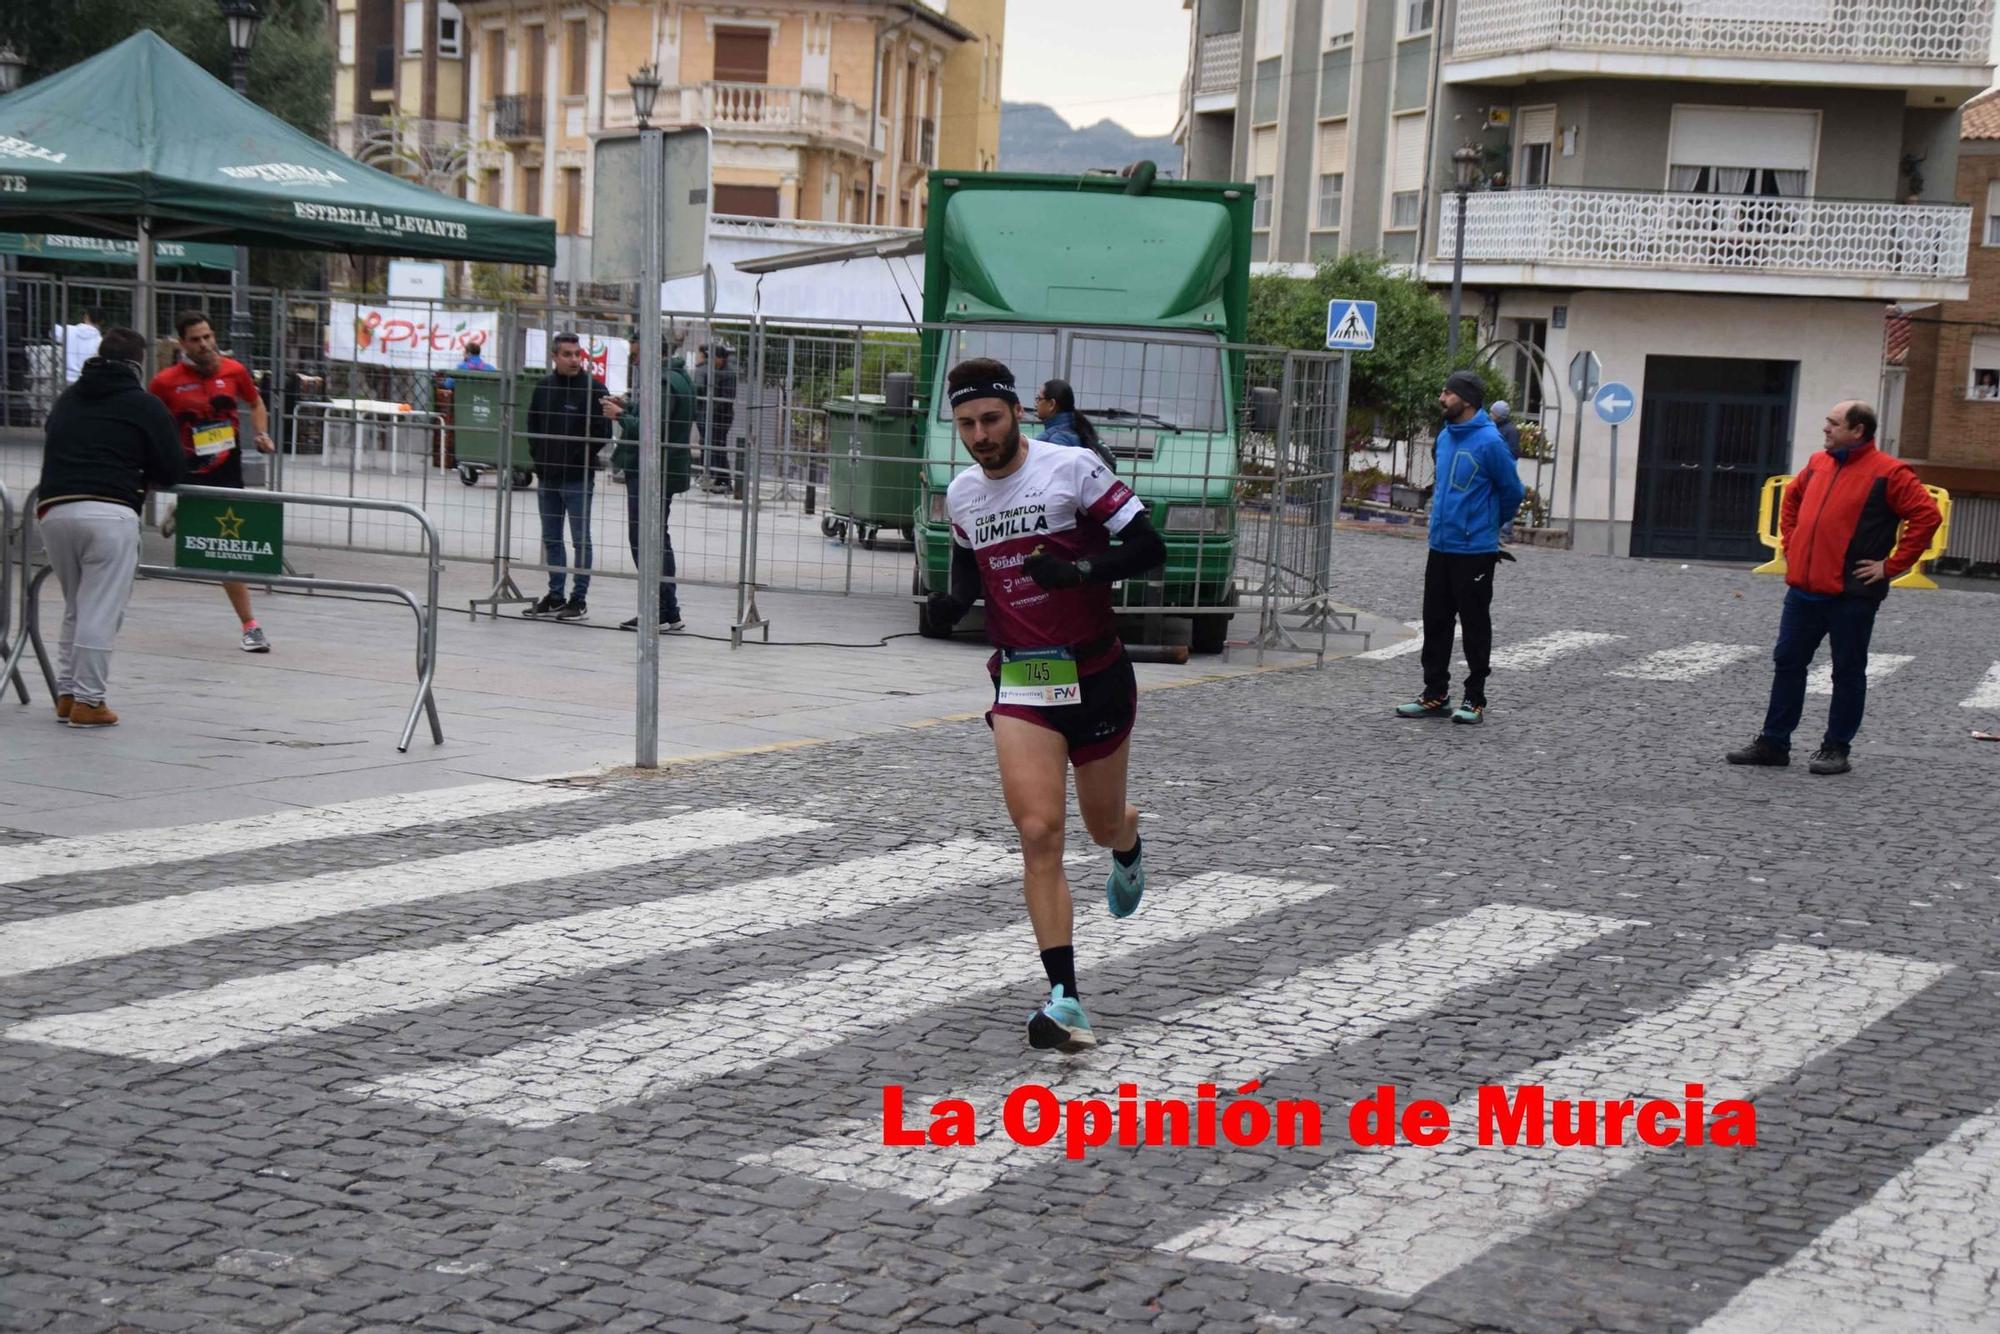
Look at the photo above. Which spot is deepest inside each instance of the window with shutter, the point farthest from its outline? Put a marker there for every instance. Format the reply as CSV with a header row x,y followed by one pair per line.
x,y
1537,134
576,38
1406,172
1993,214
743,55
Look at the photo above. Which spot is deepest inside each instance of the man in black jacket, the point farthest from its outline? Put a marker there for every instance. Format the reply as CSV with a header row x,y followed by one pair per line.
x,y
108,442
566,427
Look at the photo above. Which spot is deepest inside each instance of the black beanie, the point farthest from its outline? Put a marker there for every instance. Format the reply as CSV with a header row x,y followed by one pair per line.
x,y
1468,386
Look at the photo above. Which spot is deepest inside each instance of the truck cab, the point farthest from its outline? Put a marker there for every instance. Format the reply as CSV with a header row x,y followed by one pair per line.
x,y
1135,292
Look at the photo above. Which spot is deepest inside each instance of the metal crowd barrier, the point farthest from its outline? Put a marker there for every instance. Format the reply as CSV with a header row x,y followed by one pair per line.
x,y
12,667
426,610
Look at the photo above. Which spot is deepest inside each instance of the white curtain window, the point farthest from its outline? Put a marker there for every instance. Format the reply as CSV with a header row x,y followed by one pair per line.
x,y
1536,130
1260,213
1338,23
1332,188
413,27
1789,184
1982,378
347,39
1744,137
1993,214
1685,180
1731,180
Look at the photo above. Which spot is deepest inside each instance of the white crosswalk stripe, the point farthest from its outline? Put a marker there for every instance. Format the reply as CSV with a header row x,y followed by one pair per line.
x,y
96,933
1819,681
543,1083
155,847
269,1007
1689,662
1545,649
1987,694
1225,1042
1922,1254
1396,1221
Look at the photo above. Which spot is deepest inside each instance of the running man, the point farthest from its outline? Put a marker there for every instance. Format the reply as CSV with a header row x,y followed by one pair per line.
x,y
1031,529
205,391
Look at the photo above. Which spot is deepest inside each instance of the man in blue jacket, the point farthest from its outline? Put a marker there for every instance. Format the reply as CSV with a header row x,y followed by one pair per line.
x,y
1478,490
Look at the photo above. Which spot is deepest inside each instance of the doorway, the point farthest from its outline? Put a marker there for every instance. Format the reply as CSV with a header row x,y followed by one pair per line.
x,y
1713,428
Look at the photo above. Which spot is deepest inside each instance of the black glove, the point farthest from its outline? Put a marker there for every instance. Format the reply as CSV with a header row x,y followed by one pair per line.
x,y
945,609
1052,571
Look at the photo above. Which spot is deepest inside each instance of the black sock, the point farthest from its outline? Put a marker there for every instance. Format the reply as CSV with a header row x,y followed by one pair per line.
x,y
1128,859
1060,964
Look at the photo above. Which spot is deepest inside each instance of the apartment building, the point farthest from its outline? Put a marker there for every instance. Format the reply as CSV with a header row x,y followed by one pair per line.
x,y
1322,105
969,131
399,90
821,110
1717,199
1951,414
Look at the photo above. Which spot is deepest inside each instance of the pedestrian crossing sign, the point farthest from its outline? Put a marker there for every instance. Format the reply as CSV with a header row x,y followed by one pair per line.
x,y
1350,325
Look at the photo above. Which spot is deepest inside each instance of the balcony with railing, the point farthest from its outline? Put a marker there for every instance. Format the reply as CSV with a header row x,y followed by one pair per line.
x,y
1708,243
1218,70
758,110
517,116
1937,44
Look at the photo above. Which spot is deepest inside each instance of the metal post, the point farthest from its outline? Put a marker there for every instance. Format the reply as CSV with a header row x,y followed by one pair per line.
x,y
648,384
1575,470
240,330
1457,280
1611,502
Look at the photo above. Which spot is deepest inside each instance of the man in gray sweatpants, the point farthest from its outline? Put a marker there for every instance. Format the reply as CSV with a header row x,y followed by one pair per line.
x,y
108,442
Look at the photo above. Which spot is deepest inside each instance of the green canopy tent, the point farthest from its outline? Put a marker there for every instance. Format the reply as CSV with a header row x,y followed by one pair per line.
x,y
98,250
141,143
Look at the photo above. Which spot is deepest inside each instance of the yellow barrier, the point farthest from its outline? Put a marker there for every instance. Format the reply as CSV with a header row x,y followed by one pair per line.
x,y
1915,577
1768,507
1767,524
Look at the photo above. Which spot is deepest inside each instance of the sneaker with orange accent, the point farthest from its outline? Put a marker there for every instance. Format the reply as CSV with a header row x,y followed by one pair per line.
x,y
64,703
82,714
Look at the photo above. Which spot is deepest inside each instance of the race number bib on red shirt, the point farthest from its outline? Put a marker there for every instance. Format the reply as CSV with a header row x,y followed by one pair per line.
x,y
1063,500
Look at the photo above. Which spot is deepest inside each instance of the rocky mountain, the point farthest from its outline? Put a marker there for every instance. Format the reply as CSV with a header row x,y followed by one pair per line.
x,y
1034,137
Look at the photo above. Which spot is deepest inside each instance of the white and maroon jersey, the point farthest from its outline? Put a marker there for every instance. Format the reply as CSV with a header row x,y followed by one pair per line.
x,y
1062,499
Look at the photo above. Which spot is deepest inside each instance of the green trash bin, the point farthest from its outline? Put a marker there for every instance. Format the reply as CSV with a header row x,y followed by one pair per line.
x,y
880,489
475,424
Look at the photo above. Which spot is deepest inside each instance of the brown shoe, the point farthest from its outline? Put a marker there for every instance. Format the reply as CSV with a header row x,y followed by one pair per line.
x,y
64,703
91,715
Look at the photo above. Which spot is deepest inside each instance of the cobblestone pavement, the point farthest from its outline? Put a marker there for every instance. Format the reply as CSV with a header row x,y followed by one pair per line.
x,y
612,1056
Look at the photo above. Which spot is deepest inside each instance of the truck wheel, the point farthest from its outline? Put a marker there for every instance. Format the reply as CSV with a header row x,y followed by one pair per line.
x,y
522,479
828,525
468,474
929,627
1210,634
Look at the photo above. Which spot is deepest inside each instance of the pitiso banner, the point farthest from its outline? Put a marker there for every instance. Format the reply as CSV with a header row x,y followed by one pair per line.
x,y
422,338
237,536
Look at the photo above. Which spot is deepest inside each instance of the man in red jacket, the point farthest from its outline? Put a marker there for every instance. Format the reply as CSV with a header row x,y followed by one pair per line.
x,y
1838,524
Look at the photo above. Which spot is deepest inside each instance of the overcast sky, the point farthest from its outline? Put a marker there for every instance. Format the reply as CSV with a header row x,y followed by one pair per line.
x,y
1098,60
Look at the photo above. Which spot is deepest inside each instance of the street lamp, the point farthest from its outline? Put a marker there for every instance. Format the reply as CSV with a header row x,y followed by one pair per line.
x,y
12,63
1464,165
648,384
645,85
243,18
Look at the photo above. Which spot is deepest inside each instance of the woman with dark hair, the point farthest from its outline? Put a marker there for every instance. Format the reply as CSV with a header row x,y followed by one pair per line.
x,y
1062,424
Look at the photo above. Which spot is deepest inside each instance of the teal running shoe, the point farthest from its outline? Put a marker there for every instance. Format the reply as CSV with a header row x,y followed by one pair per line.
x,y
1061,1025
1125,885
1424,708
1470,714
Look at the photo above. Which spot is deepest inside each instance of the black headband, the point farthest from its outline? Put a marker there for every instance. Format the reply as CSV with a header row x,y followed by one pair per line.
x,y
999,389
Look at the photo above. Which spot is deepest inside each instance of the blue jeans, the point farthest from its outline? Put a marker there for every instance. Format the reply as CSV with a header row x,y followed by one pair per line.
x,y
1848,623
566,499
670,607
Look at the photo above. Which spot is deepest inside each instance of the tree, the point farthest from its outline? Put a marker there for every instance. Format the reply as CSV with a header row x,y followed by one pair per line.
x,y
291,67
1397,383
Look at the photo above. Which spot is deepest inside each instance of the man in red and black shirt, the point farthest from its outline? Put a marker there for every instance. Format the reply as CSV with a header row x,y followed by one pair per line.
x,y
206,391
1838,522
1031,531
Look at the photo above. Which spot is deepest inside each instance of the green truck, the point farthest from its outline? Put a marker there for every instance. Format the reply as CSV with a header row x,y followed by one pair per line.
x,y
1132,289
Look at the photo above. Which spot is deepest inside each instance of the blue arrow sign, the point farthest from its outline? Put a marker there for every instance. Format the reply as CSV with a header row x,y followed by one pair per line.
x,y
1614,402
1350,325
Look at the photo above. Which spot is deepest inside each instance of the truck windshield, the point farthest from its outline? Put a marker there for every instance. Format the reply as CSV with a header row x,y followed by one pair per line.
x,y
1174,386
1120,379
